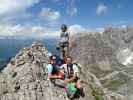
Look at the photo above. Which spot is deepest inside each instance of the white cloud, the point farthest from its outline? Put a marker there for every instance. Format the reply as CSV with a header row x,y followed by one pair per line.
x,y
38,31
13,11
75,29
28,31
72,9
100,30
49,14
101,8
14,30
13,6
14,17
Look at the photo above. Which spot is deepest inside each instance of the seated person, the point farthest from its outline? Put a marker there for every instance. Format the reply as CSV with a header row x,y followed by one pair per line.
x,y
55,74
71,78
52,69
71,70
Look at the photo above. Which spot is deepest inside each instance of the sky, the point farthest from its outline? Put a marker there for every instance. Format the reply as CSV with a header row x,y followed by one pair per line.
x,y
41,18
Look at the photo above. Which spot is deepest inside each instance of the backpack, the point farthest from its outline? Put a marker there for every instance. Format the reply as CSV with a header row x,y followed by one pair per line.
x,y
78,66
55,69
69,70
59,61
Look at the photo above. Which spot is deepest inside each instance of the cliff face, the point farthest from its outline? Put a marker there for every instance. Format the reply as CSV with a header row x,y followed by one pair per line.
x,y
109,56
103,74
25,77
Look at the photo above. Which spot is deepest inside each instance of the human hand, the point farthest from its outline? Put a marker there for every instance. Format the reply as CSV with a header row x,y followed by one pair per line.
x,y
65,81
59,77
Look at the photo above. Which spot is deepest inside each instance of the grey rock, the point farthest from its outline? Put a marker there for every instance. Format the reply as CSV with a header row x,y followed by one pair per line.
x,y
25,77
103,55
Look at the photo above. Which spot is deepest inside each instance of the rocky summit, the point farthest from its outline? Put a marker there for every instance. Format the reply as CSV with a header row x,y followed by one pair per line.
x,y
25,77
103,74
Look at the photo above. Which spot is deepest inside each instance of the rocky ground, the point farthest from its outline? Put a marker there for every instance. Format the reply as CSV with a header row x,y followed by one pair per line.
x,y
109,56
25,77
103,74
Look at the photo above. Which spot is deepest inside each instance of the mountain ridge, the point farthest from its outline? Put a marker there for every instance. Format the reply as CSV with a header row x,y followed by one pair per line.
x,y
25,77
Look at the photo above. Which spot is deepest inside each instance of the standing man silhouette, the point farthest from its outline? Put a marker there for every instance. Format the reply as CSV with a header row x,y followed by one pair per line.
x,y
63,44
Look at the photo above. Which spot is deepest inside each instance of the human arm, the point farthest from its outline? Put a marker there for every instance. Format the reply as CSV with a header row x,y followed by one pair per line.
x,y
70,80
50,69
74,75
54,76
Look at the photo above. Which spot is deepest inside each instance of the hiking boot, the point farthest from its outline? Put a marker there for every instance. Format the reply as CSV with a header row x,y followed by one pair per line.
x,y
71,95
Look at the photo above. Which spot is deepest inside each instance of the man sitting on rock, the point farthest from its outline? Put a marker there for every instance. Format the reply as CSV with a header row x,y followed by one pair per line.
x,y
71,77
71,70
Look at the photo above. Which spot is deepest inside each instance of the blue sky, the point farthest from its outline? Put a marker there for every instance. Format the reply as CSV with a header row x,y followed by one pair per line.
x,y
39,17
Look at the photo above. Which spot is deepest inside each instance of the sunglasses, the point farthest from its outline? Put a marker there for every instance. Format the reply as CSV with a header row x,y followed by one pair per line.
x,y
53,59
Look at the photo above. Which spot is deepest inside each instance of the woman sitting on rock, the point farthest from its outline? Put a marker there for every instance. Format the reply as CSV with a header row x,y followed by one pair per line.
x,y
53,70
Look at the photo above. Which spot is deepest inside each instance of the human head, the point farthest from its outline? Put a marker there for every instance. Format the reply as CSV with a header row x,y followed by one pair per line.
x,y
68,60
52,59
64,28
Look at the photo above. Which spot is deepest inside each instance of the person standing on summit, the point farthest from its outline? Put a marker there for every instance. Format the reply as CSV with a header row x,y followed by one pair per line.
x,y
63,44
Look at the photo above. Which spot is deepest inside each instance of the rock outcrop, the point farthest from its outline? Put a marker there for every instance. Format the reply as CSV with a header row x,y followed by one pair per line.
x,y
103,74
108,56
25,77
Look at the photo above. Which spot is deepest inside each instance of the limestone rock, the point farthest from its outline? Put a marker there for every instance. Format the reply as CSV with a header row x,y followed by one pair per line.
x,y
108,56
25,77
